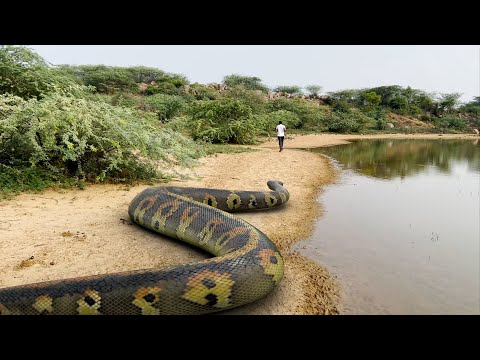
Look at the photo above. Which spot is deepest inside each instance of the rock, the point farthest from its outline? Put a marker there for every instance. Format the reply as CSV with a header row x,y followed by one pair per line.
x,y
390,125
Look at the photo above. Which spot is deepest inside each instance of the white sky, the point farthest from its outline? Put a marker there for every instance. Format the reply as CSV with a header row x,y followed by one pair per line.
x,y
439,68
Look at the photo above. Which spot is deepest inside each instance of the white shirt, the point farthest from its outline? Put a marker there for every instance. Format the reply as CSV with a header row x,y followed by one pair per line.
x,y
280,130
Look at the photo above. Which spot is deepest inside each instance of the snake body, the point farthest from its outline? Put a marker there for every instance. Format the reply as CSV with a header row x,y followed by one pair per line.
x,y
246,267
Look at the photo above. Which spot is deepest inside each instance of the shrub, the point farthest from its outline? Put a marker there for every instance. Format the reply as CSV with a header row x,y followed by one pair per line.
x,y
24,73
247,82
88,140
203,92
309,114
289,89
345,122
222,121
166,88
165,106
450,123
313,89
252,98
267,122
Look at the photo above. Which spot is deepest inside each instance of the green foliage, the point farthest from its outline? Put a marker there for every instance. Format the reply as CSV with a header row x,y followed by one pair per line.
x,y
310,115
472,107
252,98
203,92
289,89
450,123
111,79
399,103
448,102
144,74
347,96
106,79
267,122
165,106
314,89
343,122
370,100
165,88
86,140
223,121
341,106
179,124
248,82
127,100
380,116
24,73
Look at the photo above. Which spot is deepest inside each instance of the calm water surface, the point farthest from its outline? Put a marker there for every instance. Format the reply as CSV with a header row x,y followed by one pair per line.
x,y
401,227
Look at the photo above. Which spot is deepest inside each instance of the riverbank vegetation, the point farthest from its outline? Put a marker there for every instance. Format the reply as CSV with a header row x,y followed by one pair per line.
x,y
65,125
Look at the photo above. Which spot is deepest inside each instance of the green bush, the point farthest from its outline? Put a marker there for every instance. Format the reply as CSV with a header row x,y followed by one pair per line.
x,y
144,74
267,122
289,89
165,106
344,122
341,106
127,100
314,89
89,140
450,123
179,124
166,88
203,92
252,98
24,73
223,121
247,82
310,114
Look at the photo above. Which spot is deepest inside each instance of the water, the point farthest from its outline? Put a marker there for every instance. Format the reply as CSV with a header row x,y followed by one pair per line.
x,y
402,226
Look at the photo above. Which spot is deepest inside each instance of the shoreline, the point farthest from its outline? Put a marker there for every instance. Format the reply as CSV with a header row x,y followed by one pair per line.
x,y
60,234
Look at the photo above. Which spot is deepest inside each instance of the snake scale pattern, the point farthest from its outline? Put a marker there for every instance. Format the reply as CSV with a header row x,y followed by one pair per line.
x,y
246,267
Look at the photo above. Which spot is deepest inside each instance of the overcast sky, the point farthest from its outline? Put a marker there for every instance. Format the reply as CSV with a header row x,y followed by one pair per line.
x,y
441,69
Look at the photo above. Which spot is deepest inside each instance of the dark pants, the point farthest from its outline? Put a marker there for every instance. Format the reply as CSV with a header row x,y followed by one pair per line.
x,y
280,141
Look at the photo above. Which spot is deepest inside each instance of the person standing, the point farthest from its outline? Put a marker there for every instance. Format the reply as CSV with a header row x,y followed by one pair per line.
x,y
280,134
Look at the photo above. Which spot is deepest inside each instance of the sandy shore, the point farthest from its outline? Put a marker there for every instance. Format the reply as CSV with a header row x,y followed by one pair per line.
x,y
70,233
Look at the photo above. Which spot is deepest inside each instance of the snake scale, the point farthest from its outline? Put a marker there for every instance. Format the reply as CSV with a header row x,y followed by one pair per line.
x,y
246,267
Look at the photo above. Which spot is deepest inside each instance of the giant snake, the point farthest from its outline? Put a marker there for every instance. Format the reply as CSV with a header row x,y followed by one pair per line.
x,y
247,265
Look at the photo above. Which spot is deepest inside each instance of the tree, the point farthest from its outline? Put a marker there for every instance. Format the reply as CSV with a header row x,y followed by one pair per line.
x,y
144,74
370,100
314,89
222,121
289,89
24,73
166,106
448,102
248,82
349,96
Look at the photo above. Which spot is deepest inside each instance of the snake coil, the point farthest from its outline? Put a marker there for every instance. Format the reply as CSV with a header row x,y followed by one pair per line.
x,y
246,267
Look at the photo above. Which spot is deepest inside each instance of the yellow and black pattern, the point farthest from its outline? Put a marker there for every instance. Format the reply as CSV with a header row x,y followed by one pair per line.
x,y
246,267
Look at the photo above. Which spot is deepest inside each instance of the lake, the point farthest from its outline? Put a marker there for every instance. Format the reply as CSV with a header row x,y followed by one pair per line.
x,y
401,226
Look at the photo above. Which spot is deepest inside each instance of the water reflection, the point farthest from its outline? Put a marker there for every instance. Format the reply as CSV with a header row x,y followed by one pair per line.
x,y
388,159
409,245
